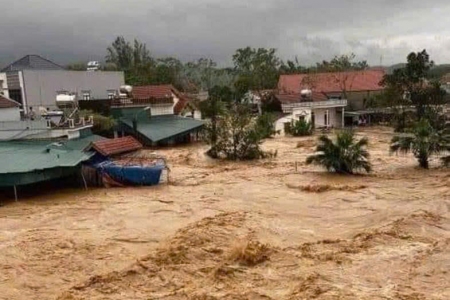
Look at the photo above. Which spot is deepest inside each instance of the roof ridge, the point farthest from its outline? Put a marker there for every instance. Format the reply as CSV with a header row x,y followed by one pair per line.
x,y
52,62
28,58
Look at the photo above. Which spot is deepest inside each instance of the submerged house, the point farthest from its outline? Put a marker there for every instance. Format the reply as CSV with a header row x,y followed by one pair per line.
x,y
324,98
156,115
27,162
38,149
119,162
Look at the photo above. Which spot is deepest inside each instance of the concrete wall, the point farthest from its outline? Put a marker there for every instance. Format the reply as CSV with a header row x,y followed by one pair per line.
x,y
10,114
161,109
335,119
279,124
41,87
21,129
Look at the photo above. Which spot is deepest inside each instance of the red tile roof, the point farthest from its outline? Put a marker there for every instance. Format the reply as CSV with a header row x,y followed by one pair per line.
x,y
154,91
184,101
293,98
8,103
110,147
331,82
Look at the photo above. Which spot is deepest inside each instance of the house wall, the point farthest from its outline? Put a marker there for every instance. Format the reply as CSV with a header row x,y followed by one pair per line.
x,y
335,119
41,86
197,115
279,124
10,130
161,109
9,114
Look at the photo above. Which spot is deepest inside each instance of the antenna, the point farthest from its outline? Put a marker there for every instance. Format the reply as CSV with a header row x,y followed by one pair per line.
x,y
381,60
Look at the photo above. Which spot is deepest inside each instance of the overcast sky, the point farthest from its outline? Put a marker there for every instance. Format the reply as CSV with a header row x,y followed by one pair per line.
x,y
314,30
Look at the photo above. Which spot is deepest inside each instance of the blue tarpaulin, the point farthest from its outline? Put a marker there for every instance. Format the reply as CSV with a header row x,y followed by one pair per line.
x,y
132,175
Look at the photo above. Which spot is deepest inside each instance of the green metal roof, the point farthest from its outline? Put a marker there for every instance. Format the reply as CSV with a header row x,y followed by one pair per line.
x,y
29,156
159,128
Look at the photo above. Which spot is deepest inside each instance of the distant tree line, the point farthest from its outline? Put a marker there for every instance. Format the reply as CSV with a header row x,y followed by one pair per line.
x,y
254,69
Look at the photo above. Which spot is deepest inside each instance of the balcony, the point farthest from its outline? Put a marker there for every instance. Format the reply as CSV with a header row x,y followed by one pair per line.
x,y
314,104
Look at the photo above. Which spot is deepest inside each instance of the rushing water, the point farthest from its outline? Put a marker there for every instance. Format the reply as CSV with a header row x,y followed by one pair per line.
x,y
382,236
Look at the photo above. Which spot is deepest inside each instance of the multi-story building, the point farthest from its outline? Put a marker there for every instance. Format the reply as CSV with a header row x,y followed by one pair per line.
x,y
37,82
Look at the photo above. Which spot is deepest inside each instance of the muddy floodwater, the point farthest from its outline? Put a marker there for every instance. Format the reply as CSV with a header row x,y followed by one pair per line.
x,y
272,229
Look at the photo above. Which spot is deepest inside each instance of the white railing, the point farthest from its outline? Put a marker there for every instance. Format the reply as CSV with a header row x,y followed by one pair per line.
x,y
314,104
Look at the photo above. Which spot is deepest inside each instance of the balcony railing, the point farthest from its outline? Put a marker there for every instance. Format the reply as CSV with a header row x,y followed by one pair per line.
x,y
132,102
314,104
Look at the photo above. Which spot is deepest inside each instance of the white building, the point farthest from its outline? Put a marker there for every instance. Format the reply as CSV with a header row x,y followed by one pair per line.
x,y
312,107
9,110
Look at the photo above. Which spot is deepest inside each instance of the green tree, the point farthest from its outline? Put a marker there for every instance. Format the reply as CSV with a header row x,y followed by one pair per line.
x,y
168,71
203,74
292,67
213,109
257,69
77,66
410,86
102,124
134,59
265,125
340,67
238,135
342,63
346,155
423,141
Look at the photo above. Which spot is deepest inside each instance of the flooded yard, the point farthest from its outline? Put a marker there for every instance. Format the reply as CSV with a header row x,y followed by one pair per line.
x,y
272,229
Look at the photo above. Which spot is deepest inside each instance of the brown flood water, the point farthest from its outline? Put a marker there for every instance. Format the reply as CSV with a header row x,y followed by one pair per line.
x,y
222,230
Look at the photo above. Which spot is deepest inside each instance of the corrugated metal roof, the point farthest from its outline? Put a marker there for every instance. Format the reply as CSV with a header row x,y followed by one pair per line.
x,y
29,156
110,147
159,128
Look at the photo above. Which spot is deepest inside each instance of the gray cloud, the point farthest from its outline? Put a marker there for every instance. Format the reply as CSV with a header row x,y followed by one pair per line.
x,y
313,30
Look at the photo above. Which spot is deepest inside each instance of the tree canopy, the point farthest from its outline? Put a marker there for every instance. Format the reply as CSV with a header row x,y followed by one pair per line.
x,y
409,85
257,69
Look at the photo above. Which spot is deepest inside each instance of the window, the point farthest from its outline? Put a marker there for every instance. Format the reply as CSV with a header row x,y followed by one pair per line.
x,y
86,95
15,95
111,94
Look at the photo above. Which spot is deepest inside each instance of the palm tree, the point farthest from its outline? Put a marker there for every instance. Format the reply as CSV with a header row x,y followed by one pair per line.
x,y
346,155
424,141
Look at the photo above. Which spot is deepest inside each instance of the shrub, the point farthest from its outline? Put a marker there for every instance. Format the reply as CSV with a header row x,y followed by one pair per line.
x,y
102,124
301,128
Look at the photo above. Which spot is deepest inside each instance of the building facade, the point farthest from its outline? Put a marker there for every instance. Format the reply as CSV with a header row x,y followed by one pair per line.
x,y
42,88
36,82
